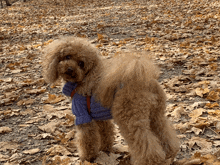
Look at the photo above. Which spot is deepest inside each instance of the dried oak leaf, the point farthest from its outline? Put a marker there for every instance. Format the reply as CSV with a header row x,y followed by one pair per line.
x,y
8,146
100,36
217,126
52,99
48,108
182,127
177,113
198,158
206,146
27,112
196,113
3,158
70,135
47,42
197,131
31,151
57,150
51,112
35,91
213,96
15,157
50,127
25,102
44,136
210,159
5,129
61,160
105,159
200,123
210,105
214,112
200,91
86,163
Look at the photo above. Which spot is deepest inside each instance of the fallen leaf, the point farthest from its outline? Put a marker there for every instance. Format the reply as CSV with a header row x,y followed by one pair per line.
x,y
197,131
48,108
177,113
35,91
182,127
217,126
8,146
86,163
50,127
70,135
34,120
16,71
196,113
3,158
52,99
26,102
205,146
5,129
16,157
100,36
210,105
105,159
58,149
32,151
213,96
200,91
44,136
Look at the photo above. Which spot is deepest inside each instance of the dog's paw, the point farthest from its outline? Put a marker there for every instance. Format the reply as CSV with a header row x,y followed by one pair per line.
x,y
157,157
88,155
88,159
155,154
171,149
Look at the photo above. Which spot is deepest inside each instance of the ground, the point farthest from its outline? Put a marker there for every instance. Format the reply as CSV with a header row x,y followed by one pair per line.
x,y
182,36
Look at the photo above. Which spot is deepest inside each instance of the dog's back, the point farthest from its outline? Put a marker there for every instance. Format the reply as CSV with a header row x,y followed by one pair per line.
x,y
131,71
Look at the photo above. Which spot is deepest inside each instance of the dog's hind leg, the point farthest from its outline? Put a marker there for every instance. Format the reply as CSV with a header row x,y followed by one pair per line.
x,y
131,112
167,135
162,127
144,146
88,141
106,130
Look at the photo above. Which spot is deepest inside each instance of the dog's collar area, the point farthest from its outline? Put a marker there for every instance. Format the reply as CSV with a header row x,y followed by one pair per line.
x,y
73,93
88,98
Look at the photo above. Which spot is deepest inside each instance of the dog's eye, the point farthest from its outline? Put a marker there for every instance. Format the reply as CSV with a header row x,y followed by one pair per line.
x,y
81,64
67,57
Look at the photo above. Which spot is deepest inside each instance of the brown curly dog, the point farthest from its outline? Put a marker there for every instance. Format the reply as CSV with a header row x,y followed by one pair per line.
x,y
127,85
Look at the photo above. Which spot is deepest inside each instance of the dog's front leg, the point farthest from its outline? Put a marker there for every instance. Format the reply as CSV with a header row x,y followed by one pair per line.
x,y
88,141
106,131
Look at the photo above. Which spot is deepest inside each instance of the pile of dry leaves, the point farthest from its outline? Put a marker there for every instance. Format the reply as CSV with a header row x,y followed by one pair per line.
x,y
183,36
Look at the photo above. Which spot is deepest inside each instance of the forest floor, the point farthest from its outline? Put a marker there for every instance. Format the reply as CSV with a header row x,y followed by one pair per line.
x,y
182,36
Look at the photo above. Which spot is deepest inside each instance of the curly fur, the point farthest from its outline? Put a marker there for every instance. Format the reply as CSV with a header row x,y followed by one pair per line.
x,y
128,85
55,65
97,135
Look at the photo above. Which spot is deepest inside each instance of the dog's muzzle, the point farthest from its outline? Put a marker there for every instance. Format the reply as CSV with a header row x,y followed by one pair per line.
x,y
69,71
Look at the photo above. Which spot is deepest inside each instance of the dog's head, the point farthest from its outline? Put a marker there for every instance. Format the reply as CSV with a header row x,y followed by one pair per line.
x,y
70,58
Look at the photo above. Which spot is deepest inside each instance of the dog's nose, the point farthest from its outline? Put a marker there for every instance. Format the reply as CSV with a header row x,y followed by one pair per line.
x,y
69,71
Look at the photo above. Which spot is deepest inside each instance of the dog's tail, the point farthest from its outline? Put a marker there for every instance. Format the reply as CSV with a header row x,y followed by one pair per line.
x,y
127,70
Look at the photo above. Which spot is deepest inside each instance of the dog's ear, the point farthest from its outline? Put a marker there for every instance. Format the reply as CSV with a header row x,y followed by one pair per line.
x,y
50,72
50,62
